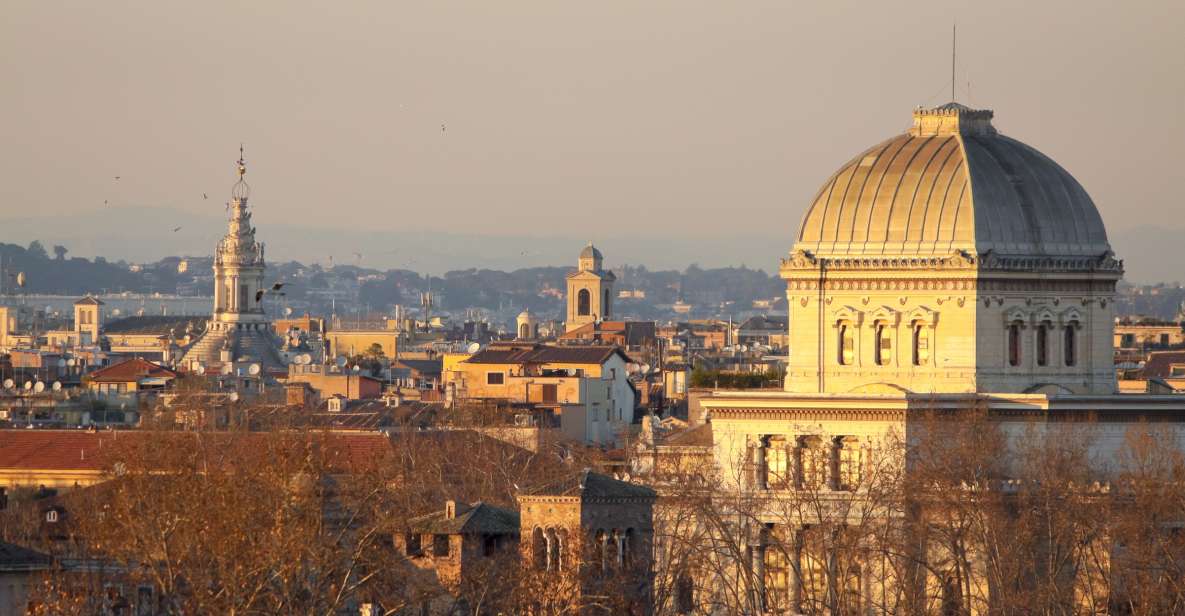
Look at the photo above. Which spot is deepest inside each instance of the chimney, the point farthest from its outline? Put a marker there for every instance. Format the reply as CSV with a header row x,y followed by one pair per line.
x,y
450,510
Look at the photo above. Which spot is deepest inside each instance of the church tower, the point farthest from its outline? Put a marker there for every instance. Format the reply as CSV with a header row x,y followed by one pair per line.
x,y
590,291
238,263
239,330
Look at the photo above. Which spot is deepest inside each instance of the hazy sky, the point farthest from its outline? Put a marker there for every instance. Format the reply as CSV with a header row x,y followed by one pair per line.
x,y
590,119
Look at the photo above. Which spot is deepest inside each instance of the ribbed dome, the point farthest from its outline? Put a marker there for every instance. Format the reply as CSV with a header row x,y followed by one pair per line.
x,y
590,252
952,183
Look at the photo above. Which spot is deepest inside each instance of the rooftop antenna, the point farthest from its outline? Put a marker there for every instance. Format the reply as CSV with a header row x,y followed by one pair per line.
x,y
954,37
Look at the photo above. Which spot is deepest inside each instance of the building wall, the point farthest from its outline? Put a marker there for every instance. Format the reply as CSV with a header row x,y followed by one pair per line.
x,y
357,342
965,317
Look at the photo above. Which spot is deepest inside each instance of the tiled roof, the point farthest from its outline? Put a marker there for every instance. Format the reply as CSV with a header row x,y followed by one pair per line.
x,y
475,518
699,436
153,325
80,450
130,370
537,354
89,301
16,558
1159,364
591,486
53,449
423,366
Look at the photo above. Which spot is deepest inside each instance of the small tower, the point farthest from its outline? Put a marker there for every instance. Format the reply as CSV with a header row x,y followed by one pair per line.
x,y
526,326
88,317
590,291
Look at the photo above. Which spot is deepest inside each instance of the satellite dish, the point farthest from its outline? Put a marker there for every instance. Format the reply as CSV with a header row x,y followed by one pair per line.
x,y
71,362
39,387
57,386
234,396
227,368
306,359
8,383
473,347
645,368
200,369
20,280
253,370
116,312
288,311
357,368
61,363
28,385
341,361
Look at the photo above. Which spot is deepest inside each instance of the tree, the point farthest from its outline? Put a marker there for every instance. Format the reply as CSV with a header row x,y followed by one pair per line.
x,y
59,252
36,250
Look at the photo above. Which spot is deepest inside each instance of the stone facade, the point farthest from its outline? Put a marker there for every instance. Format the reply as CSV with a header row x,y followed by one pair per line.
x,y
590,291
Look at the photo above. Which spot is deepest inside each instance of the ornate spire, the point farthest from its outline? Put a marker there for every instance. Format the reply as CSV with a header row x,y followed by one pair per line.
x,y
241,190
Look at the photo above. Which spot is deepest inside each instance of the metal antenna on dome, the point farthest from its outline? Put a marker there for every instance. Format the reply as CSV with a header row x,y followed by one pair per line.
x,y
954,37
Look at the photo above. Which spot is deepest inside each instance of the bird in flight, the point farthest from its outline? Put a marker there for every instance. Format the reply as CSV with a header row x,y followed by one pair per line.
x,y
277,286
117,178
204,196
104,202
176,229
258,296
442,128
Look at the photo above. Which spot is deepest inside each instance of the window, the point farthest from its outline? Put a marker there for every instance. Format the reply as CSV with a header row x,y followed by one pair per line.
x,y
815,461
777,463
1014,344
412,544
884,345
605,306
51,516
847,345
921,345
777,576
550,392
583,303
495,378
851,463
524,331
440,545
1043,344
1070,344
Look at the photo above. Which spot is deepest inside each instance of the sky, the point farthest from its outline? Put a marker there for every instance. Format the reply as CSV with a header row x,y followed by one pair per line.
x,y
705,125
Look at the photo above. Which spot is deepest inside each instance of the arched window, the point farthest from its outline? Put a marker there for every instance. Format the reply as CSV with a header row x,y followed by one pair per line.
x,y
584,303
921,345
605,306
524,331
884,345
1070,343
538,549
1043,344
1014,343
847,345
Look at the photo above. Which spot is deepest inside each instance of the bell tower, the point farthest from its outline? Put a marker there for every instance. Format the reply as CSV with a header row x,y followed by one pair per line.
x,y
238,262
590,291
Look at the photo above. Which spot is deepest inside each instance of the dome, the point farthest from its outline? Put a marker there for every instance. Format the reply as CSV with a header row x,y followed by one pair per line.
x,y
952,183
590,252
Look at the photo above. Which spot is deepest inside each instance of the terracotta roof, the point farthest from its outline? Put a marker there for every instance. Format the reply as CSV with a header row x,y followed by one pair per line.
x,y
1159,364
89,301
52,449
475,518
591,486
130,370
538,354
80,450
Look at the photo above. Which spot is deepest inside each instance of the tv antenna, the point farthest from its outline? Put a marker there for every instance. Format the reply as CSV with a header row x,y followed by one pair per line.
x,y
954,38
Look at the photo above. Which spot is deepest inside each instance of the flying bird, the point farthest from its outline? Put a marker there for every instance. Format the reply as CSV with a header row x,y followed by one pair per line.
x,y
104,202
259,296
277,286
204,196
117,178
442,128
176,229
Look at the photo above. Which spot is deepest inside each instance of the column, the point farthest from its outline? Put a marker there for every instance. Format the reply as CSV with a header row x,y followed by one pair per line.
x,y
757,566
794,583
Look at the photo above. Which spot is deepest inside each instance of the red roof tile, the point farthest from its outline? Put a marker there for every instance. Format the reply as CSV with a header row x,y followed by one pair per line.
x,y
52,449
130,371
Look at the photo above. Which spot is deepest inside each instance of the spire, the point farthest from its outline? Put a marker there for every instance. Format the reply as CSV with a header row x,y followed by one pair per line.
x,y
241,190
